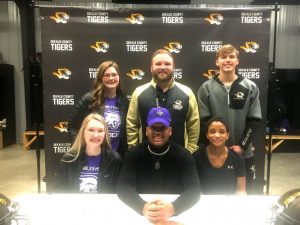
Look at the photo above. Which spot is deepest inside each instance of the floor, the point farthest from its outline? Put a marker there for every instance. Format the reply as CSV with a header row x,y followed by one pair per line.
x,y
19,171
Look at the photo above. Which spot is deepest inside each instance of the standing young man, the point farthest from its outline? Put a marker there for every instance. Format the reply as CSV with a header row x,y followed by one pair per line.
x,y
163,91
236,100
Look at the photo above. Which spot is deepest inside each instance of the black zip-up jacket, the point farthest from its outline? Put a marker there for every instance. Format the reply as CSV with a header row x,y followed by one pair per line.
x,y
67,177
82,109
239,106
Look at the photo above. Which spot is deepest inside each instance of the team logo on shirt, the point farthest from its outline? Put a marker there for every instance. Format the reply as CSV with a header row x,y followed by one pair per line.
x,y
136,18
177,105
62,73
214,18
136,74
100,46
173,47
210,73
88,185
113,121
230,167
60,17
239,95
62,126
250,46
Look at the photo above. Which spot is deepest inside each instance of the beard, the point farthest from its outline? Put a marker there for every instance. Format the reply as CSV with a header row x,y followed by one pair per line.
x,y
166,78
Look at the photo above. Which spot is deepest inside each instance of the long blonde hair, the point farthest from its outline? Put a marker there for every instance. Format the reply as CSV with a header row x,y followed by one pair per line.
x,y
79,144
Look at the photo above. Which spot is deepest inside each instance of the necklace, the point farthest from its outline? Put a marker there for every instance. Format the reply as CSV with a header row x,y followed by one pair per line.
x,y
157,164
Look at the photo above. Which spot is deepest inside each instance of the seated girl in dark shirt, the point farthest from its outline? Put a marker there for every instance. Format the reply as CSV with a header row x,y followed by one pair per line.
x,y
220,170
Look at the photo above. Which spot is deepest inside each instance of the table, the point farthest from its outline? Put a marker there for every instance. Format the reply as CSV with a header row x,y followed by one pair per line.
x,y
281,138
84,209
29,137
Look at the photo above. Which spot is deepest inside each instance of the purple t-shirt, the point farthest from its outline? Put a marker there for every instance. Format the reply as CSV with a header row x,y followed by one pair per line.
x,y
113,120
88,179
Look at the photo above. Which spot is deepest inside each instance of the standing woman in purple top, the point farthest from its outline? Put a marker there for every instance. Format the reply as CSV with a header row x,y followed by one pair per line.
x,y
89,166
107,99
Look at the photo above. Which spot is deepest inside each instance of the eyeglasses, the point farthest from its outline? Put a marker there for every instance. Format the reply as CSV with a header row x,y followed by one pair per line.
x,y
108,75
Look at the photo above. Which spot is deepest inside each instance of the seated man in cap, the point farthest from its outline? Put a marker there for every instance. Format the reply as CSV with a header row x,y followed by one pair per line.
x,y
158,166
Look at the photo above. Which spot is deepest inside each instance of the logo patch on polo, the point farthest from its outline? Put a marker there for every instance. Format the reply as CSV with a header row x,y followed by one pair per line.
x,y
177,105
239,95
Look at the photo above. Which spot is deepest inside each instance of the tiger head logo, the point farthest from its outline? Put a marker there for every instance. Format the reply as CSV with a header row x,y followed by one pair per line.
x,y
136,74
60,17
63,73
173,47
113,121
210,73
62,126
136,18
214,18
239,95
250,46
100,46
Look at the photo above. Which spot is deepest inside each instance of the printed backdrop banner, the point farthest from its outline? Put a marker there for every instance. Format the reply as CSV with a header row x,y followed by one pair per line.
x,y
76,40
